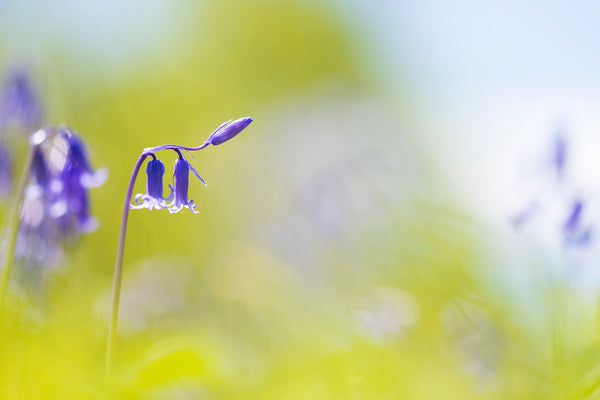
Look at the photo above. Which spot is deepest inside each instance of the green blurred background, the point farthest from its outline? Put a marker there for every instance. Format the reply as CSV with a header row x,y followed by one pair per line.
x,y
333,257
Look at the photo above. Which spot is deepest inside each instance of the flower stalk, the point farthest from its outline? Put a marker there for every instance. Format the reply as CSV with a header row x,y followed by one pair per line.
x,y
14,223
223,133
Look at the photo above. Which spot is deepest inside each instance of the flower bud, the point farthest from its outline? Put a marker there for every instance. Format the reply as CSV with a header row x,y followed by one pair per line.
x,y
228,130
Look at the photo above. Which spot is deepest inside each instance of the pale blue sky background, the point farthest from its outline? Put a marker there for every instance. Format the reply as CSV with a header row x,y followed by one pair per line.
x,y
487,80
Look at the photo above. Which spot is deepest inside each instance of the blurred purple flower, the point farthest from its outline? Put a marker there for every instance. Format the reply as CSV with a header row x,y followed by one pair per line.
x,y
560,154
228,130
72,207
574,232
153,198
19,103
6,171
56,205
556,200
180,180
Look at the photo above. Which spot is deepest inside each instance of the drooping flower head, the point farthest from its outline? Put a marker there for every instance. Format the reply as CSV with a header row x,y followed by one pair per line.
x,y
75,179
153,198
19,103
181,178
56,206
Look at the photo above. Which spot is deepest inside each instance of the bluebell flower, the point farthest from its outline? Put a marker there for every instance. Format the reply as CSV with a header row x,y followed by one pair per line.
x,y
153,198
181,180
38,239
19,104
72,207
228,130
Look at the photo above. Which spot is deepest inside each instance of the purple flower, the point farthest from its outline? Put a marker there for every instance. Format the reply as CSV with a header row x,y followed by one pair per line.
x,y
56,206
228,130
72,207
180,180
19,104
574,232
559,158
153,198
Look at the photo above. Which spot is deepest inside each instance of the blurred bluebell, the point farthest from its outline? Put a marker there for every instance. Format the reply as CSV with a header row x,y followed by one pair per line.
x,y
228,130
72,205
153,198
19,103
181,180
38,239
6,171
558,210
56,206
559,154
574,230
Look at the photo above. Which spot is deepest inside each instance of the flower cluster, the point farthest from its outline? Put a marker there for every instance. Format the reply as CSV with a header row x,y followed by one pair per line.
x,y
153,198
56,202
559,207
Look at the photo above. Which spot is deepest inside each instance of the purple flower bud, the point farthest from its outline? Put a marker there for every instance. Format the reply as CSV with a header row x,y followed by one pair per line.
x,y
19,104
154,187
228,130
181,180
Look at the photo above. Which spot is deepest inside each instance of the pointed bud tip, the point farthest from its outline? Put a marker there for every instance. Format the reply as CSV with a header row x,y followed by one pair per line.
x,y
229,130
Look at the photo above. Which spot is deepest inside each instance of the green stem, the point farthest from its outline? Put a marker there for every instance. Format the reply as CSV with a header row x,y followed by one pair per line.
x,y
14,223
116,291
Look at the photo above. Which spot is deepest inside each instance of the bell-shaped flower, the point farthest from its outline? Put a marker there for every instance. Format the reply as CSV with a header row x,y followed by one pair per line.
x,y
153,198
181,181
228,130
72,187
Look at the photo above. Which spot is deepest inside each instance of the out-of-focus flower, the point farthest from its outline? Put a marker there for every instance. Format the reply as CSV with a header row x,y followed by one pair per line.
x,y
560,154
19,103
574,230
181,180
76,177
558,205
228,130
56,205
6,171
153,198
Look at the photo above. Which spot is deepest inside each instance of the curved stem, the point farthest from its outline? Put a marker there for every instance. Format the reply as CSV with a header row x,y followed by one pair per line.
x,y
14,223
173,147
116,292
